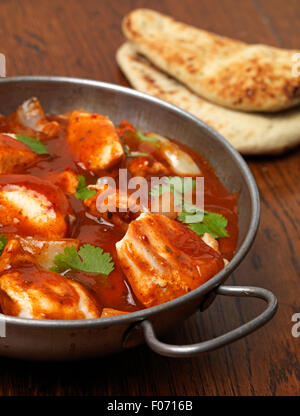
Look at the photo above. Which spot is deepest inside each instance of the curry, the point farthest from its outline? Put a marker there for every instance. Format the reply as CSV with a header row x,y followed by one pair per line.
x,y
64,254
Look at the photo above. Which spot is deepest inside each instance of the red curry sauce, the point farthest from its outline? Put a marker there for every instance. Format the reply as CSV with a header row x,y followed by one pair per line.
x,y
114,291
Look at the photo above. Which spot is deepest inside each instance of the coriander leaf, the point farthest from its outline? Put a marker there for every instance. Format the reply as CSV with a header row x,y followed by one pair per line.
x,y
128,153
144,138
217,223
200,222
34,144
209,222
82,191
88,259
3,242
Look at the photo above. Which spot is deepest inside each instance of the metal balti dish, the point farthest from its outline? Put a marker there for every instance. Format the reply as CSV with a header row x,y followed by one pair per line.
x,y
66,340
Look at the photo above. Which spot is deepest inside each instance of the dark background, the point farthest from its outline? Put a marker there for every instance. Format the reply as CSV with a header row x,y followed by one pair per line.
x,y
79,38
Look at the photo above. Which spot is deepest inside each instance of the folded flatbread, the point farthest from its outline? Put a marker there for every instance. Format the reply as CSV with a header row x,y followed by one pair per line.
x,y
224,71
249,133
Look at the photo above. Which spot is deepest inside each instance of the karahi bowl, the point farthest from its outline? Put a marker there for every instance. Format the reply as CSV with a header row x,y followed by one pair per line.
x,y
79,339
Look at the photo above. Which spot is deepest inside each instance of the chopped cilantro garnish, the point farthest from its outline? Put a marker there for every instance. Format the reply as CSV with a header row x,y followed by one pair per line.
x,y
200,222
144,138
88,259
3,242
82,191
128,153
209,222
34,144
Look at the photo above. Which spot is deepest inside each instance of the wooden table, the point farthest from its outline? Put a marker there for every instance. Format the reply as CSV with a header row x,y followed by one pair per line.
x,y
79,38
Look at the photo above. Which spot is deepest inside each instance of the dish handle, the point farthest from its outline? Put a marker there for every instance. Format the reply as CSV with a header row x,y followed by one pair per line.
x,y
170,350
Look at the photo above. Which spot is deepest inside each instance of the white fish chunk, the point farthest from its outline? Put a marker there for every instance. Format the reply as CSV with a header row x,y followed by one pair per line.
x,y
41,294
44,251
28,291
163,259
34,207
94,141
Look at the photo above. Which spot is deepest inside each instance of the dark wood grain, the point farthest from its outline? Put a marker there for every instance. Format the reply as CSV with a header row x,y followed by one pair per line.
x,y
80,38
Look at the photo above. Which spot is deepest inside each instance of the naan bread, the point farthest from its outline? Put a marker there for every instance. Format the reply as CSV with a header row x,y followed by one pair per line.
x,y
222,70
249,133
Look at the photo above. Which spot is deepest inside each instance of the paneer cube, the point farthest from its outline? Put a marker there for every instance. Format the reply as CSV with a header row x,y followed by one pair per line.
x,y
94,141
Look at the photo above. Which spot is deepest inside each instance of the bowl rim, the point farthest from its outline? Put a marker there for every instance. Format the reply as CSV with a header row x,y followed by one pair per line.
x,y
208,286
